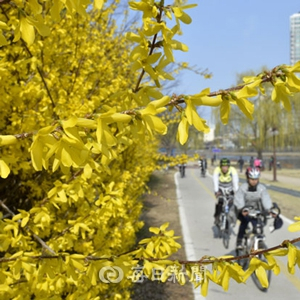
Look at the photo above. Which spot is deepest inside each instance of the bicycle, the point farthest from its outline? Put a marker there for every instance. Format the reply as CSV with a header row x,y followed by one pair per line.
x,y
224,224
254,239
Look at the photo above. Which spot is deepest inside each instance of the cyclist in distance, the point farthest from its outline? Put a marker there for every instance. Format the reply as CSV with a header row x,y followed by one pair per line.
x,y
202,163
254,194
224,176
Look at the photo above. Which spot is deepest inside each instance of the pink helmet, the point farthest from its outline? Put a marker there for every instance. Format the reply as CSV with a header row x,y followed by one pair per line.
x,y
252,173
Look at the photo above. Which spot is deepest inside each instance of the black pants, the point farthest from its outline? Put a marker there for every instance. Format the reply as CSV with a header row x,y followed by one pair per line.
x,y
244,223
218,208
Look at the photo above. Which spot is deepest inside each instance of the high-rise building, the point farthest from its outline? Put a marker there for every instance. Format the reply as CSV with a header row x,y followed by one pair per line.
x,y
295,38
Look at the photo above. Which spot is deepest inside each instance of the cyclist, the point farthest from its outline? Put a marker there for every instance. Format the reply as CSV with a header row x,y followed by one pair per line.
x,y
182,167
224,176
202,164
252,193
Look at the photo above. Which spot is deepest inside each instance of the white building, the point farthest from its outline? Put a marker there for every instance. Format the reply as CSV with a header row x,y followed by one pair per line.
x,y
210,136
295,38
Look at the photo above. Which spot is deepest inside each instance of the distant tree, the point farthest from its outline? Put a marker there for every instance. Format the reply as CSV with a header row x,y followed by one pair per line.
x,y
256,133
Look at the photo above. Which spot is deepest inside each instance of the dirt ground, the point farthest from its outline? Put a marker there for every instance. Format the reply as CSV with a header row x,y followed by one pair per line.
x,y
158,210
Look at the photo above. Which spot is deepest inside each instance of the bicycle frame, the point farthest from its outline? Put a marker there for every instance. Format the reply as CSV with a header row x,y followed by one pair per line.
x,y
225,211
253,240
224,223
227,197
254,236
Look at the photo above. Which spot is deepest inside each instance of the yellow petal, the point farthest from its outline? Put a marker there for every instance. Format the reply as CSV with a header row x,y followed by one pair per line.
x,y
281,93
42,29
247,92
161,102
292,258
35,6
55,10
3,25
7,140
27,31
4,169
225,111
181,15
36,152
246,107
179,46
3,40
294,227
183,129
272,262
204,287
293,81
155,123
262,276
98,4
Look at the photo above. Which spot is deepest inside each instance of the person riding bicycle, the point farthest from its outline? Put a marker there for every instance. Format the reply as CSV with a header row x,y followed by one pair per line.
x,y
254,194
224,176
202,163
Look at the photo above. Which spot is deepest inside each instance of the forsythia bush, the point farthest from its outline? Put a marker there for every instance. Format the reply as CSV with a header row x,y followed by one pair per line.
x,y
80,114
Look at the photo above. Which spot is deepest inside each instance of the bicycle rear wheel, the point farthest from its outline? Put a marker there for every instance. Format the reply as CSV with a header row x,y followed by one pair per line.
x,y
219,230
262,245
226,235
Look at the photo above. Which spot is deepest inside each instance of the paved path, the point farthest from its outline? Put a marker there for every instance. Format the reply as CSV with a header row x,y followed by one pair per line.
x,y
196,207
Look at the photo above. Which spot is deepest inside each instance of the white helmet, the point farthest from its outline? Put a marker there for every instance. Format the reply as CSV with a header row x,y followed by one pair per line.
x,y
253,173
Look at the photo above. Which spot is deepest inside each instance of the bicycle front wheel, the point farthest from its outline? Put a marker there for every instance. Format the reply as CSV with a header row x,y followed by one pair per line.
x,y
243,262
262,245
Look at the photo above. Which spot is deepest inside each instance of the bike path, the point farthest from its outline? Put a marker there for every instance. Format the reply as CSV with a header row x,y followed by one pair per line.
x,y
196,203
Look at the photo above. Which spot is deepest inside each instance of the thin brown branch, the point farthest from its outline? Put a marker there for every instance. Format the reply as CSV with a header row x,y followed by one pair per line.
x,y
204,260
150,52
43,79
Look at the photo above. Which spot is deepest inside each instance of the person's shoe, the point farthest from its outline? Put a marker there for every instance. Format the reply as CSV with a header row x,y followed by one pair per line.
x,y
239,244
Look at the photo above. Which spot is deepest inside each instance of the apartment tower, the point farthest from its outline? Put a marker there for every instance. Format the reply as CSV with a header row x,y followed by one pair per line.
x,y
295,38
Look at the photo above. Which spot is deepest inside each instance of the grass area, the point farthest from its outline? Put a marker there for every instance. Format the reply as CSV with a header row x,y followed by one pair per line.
x,y
286,178
289,172
289,179
289,205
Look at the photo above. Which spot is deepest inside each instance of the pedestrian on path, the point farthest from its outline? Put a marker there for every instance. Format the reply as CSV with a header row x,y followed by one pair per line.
x,y
241,163
251,162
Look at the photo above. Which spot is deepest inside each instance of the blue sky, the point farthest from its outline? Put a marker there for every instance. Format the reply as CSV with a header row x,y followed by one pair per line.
x,y
234,36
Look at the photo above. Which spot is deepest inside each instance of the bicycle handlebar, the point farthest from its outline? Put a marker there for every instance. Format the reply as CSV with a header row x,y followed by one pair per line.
x,y
254,213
